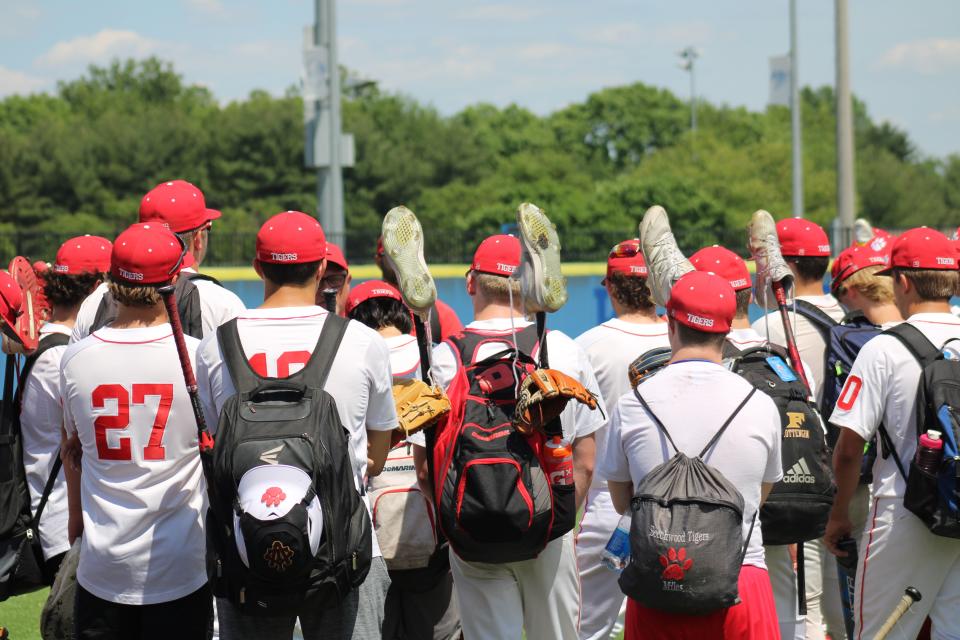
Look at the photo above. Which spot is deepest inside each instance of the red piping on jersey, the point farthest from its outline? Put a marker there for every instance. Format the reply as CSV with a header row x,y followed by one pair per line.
x,y
94,334
641,335
312,315
948,324
866,557
408,371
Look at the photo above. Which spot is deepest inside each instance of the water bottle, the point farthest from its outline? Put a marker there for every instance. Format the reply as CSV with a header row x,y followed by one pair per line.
x,y
559,461
930,452
616,554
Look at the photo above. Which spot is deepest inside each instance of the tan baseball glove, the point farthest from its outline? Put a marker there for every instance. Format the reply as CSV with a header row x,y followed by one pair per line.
x,y
418,405
544,393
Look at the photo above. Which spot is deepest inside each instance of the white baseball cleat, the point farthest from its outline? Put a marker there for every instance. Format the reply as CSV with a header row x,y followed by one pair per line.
x,y
862,231
403,249
765,247
542,285
665,261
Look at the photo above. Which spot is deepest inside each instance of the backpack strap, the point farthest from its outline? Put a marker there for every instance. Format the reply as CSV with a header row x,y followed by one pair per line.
x,y
816,316
47,489
194,275
317,369
730,350
916,343
46,343
244,378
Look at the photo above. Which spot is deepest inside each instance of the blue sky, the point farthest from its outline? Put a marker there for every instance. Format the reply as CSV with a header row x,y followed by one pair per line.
x,y
541,54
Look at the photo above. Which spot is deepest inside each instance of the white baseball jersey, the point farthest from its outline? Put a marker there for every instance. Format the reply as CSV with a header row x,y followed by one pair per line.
x,y
404,356
217,305
142,488
693,398
278,342
611,347
40,420
882,388
809,339
577,420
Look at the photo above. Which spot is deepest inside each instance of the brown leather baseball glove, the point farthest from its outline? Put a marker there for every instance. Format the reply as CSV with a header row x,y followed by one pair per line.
x,y
418,405
544,394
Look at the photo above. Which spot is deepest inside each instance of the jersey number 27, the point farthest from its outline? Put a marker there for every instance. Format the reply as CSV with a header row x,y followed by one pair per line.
x,y
154,449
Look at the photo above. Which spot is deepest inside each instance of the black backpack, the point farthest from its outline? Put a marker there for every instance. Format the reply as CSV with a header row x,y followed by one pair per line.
x,y
495,502
933,497
686,532
22,565
799,505
289,421
188,305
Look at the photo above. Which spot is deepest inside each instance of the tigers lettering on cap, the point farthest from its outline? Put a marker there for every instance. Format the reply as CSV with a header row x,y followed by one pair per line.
x,y
724,263
291,237
146,254
856,258
370,289
627,259
83,254
176,204
703,301
802,238
922,248
11,299
497,255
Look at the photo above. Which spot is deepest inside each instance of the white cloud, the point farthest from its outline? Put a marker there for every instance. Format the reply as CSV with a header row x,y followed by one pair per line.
x,y
541,51
500,13
107,44
17,82
948,115
210,7
678,34
928,57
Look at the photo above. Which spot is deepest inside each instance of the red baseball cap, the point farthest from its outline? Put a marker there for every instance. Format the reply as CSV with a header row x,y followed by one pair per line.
x,y
724,263
84,254
703,301
803,238
497,255
291,237
335,256
626,258
177,204
370,289
146,254
855,258
922,248
11,300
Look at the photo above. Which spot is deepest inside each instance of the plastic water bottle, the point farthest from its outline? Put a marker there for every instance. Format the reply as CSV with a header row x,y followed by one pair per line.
x,y
930,452
616,554
559,461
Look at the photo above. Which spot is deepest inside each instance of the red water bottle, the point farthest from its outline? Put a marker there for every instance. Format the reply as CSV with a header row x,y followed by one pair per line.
x,y
559,460
930,452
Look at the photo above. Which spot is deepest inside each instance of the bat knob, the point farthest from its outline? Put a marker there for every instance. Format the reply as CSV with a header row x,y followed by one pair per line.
x,y
913,593
165,290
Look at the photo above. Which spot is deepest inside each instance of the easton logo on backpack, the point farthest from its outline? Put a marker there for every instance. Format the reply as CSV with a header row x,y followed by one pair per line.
x,y
286,521
686,532
934,497
798,507
496,503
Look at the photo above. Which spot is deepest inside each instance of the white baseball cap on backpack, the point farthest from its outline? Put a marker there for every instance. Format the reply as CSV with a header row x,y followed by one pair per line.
x,y
270,491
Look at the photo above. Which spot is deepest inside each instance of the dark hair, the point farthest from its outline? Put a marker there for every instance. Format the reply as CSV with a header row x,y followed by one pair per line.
x,y
66,290
380,313
295,274
743,302
809,268
931,284
690,337
630,291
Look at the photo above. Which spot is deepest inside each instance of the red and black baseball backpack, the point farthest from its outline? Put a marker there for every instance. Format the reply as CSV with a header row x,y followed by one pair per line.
x,y
496,503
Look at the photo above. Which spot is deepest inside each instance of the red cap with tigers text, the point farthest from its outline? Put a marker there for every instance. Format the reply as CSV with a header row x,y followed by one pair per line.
x,y
370,289
497,255
703,301
84,254
291,237
724,263
627,259
176,204
856,258
146,254
922,248
802,238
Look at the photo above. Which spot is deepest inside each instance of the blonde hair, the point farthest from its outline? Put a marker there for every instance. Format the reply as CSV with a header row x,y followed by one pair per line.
x,y
874,288
497,288
134,296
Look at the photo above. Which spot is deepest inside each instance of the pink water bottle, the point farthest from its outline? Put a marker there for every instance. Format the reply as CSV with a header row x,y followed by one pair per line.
x,y
930,452
559,460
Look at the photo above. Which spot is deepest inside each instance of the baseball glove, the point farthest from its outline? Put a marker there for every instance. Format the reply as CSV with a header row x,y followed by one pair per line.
x,y
418,405
544,393
649,363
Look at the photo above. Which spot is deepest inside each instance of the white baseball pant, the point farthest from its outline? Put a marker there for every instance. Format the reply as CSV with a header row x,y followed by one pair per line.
x,y
783,580
604,605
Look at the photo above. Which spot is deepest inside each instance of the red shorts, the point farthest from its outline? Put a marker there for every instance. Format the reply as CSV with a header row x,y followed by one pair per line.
x,y
754,618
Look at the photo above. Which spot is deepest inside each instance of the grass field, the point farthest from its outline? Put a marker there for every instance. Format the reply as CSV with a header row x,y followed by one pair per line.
x,y
21,615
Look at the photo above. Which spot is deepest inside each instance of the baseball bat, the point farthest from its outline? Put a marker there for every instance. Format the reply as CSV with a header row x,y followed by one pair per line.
x,y
779,292
910,595
170,302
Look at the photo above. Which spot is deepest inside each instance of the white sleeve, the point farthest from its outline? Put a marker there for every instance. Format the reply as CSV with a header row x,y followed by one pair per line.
x,y
444,364
68,422
861,401
774,469
210,372
612,463
568,357
381,410
87,314
217,304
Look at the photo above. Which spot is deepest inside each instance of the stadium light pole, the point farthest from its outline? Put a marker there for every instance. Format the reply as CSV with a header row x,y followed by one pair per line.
x,y
845,186
795,106
689,56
